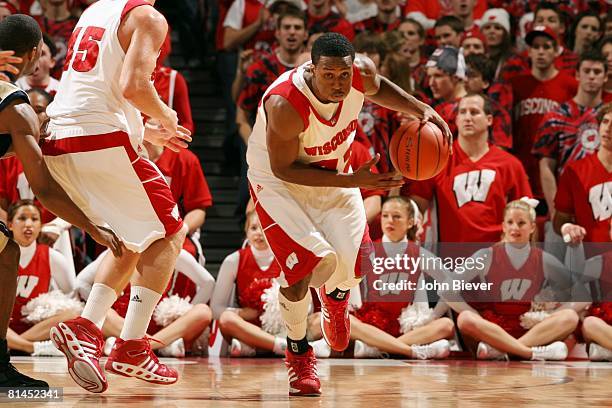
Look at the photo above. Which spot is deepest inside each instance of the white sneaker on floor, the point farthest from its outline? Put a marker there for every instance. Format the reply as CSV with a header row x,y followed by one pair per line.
x,y
46,349
556,351
239,349
321,348
174,349
362,350
437,349
599,353
487,352
108,345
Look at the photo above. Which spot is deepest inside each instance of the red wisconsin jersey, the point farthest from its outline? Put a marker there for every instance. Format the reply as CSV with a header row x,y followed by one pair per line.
x,y
568,133
249,273
14,186
471,196
32,281
374,25
184,174
532,100
585,191
332,22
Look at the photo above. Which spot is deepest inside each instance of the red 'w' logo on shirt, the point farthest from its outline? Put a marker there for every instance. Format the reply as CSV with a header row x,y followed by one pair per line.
x,y
473,186
600,197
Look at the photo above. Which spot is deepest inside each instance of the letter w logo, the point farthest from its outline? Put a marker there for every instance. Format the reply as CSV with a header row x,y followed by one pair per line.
x,y
473,186
600,197
514,289
25,285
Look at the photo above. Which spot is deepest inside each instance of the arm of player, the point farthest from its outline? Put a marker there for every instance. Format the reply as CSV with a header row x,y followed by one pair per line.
x,y
548,167
22,123
387,94
141,35
284,127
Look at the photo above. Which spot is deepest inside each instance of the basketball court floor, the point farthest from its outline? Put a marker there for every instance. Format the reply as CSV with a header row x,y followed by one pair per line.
x,y
351,383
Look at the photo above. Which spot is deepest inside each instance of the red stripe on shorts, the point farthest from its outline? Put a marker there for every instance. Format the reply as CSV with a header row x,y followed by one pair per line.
x,y
157,190
366,249
295,260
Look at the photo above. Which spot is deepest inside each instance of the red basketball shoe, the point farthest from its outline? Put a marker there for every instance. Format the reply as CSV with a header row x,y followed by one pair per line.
x,y
82,343
302,370
335,322
134,358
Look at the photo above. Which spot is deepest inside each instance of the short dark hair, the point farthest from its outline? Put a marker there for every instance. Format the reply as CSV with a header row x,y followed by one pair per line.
x,y
483,65
370,43
487,105
453,22
591,54
49,42
19,33
292,12
546,5
48,97
332,45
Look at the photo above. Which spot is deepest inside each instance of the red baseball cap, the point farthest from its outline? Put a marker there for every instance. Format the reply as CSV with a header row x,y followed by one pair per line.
x,y
474,33
540,30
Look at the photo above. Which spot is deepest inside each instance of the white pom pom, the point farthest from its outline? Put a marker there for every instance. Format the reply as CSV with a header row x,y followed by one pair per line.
x,y
49,304
271,320
530,319
170,309
415,315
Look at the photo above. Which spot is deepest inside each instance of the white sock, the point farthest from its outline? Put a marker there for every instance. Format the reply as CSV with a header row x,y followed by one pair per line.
x,y
294,315
99,302
140,309
280,344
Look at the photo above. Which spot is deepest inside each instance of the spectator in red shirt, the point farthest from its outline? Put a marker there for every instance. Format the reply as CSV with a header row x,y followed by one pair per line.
x,y
446,74
585,32
477,183
473,43
291,35
58,23
41,77
495,26
480,75
321,18
387,19
584,197
431,10
570,132
172,87
448,32
6,9
414,33
464,9
536,94
606,49
546,14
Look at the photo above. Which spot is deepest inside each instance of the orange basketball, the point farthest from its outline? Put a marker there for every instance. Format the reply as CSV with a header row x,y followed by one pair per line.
x,y
418,151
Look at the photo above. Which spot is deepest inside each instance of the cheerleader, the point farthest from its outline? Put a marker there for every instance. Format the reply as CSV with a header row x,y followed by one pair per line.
x,y
597,326
519,274
400,322
237,303
180,317
37,308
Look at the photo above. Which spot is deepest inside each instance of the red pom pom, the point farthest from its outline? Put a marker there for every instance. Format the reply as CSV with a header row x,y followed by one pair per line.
x,y
372,313
251,296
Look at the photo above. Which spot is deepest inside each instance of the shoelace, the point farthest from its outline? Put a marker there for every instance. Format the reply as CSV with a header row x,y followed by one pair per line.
x,y
336,314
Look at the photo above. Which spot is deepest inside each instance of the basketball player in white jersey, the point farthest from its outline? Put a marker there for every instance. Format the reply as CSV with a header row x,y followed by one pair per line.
x,y
94,151
306,195
19,133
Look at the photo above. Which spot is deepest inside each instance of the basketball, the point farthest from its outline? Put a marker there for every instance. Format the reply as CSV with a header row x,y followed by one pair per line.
x,y
418,151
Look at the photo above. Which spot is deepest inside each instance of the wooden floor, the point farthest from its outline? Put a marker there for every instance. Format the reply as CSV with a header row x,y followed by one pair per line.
x,y
347,383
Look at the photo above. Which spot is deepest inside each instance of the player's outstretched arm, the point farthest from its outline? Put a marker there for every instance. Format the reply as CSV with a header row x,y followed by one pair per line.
x,y
22,123
284,127
141,35
385,93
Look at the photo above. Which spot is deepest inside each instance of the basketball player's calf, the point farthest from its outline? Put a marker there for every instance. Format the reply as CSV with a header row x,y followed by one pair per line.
x,y
294,304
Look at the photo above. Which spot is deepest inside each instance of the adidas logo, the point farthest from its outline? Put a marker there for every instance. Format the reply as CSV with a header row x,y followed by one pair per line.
x,y
259,188
136,298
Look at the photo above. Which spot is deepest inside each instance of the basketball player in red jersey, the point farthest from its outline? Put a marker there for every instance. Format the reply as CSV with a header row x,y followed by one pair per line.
x,y
94,148
19,130
306,194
